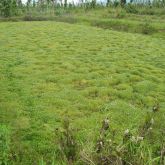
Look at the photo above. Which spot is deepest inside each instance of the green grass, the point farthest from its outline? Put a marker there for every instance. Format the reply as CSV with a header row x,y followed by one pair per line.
x,y
52,70
113,18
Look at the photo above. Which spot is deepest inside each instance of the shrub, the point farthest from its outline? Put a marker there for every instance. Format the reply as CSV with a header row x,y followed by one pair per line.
x,y
120,13
59,11
131,9
146,28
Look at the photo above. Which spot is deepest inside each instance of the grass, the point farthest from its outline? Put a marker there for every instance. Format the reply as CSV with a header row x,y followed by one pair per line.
x,y
50,70
114,18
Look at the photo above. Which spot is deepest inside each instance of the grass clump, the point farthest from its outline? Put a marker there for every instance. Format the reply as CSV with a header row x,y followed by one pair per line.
x,y
120,13
4,145
146,28
68,147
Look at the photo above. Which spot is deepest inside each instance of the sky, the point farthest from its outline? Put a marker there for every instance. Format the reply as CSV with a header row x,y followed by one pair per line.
x,y
24,1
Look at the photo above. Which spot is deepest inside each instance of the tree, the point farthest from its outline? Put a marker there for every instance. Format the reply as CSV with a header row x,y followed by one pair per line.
x,y
122,2
28,4
19,3
93,3
7,7
34,3
65,3
108,2
14,7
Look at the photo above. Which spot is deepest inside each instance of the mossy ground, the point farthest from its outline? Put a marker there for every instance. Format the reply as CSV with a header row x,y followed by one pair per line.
x,y
51,70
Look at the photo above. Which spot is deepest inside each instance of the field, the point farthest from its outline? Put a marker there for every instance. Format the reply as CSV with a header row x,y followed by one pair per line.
x,y
50,71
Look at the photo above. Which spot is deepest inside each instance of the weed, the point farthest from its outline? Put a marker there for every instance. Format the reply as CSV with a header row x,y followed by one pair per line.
x,y
132,149
67,143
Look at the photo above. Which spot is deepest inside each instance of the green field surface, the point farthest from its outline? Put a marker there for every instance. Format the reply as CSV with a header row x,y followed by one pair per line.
x,y
51,70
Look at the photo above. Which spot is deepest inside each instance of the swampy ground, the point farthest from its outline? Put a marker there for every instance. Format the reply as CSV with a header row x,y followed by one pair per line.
x,y
51,70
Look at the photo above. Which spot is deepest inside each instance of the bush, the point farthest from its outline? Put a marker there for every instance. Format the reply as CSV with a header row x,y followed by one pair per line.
x,y
59,11
146,28
120,13
131,9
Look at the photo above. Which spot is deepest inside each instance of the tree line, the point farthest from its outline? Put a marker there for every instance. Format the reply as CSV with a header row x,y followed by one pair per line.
x,y
10,8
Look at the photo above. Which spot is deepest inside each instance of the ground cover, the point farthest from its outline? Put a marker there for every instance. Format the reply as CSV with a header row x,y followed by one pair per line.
x,y
51,70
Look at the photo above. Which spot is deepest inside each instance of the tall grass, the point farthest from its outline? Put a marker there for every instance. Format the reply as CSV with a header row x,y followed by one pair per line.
x,y
4,145
131,149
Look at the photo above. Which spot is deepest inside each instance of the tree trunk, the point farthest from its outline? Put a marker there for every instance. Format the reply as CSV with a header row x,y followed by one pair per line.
x,y
65,3
123,2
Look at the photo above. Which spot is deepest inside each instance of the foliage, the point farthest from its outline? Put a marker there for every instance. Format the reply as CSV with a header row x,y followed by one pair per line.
x,y
42,7
120,13
146,28
131,9
8,7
